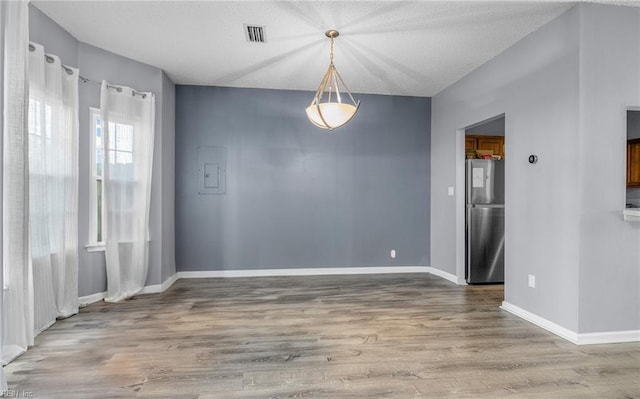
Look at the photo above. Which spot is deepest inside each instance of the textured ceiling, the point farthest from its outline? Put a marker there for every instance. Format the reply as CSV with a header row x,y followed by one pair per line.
x,y
400,48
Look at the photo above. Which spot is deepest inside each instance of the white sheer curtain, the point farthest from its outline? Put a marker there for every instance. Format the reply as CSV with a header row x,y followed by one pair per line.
x,y
128,118
17,306
53,186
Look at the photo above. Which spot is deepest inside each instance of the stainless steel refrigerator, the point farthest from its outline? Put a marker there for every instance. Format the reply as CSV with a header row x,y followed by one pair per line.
x,y
484,221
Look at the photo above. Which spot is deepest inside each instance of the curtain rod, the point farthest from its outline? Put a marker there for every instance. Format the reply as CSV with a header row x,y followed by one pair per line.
x,y
116,88
69,71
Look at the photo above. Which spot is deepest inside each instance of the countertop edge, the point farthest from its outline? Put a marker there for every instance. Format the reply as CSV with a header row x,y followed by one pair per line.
x,y
631,215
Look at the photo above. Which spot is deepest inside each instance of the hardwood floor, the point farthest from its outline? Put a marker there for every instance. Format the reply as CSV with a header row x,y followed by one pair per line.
x,y
367,336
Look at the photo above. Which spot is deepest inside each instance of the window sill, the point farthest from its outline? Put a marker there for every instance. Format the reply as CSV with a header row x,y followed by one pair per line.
x,y
95,247
100,247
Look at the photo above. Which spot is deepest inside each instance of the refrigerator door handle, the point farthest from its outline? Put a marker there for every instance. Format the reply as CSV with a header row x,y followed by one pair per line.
x,y
467,227
485,205
468,182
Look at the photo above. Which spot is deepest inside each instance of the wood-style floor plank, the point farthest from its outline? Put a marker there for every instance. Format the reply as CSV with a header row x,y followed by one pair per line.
x,y
368,336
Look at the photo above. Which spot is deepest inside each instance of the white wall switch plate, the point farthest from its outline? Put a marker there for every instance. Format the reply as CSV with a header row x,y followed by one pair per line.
x,y
450,191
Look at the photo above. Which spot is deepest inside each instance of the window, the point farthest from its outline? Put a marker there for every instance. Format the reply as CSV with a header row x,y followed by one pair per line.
x,y
97,176
45,175
121,159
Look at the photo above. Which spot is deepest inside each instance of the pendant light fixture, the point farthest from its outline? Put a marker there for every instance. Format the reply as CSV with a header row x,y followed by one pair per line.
x,y
327,109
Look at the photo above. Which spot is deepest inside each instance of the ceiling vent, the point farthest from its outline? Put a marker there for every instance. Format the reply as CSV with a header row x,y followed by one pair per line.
x,y
255,33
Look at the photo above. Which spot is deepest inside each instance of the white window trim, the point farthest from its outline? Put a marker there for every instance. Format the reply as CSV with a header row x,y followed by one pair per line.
x,y
98,247
93,244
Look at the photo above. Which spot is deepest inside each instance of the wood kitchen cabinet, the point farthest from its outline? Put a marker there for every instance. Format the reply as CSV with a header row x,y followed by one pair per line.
x,y
470,144
633,163
493,143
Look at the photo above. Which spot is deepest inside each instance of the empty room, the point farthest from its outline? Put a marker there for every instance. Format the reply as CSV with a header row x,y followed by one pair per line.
x,y
328,199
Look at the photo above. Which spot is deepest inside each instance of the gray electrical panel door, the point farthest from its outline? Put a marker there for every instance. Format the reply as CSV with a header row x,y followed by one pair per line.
x,y
212,170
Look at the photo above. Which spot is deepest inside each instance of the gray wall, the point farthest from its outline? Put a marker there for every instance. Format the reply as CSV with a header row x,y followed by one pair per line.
x,y
494,127
609,248
633,125
633,196
168,178
98,64
298,196
54,38
562,214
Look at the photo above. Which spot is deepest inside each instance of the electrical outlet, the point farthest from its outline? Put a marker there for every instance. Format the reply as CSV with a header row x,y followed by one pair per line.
x,y
532,281
393,253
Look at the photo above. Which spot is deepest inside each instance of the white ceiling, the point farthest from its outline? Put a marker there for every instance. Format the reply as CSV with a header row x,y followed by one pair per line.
x,y
400,48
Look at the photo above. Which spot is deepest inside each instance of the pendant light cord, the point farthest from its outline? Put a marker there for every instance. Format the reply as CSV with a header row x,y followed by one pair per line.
x,y
331,53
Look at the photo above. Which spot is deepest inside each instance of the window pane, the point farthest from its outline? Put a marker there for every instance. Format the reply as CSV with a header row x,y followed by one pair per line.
x,y
123,158
99,162
98,143
125,138
98,133
112,135
99,215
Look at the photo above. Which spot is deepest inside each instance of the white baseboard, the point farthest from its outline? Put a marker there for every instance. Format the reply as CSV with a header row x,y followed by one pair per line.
x,y
44,328
149,289
541,322
445,275
158,288
315,271
89,299
169,282
608,337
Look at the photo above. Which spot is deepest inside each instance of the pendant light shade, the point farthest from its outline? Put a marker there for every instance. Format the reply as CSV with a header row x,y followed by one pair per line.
x,y
331,115
327,109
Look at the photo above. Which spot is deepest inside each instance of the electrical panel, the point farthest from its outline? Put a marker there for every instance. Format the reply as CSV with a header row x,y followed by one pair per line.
x,y
212,170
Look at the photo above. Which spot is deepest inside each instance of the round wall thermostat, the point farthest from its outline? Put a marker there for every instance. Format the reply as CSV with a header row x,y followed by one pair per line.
x,y
533,158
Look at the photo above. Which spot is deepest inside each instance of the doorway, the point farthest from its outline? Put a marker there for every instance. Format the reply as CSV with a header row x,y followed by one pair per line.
x,y
480,205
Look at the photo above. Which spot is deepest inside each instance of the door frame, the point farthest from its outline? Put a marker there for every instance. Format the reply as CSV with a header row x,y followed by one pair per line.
x,y
460,207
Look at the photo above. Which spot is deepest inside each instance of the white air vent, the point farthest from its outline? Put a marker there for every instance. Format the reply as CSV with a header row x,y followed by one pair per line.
x,y
254,33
